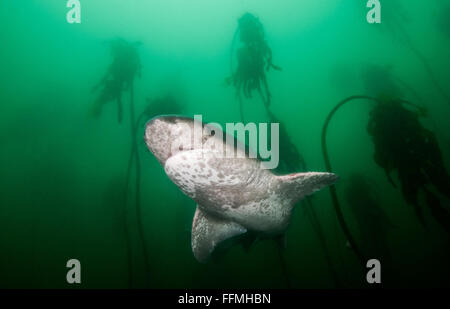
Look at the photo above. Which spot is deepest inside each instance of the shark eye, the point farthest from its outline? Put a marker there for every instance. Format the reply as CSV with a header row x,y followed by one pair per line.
x,y
212,133
180,148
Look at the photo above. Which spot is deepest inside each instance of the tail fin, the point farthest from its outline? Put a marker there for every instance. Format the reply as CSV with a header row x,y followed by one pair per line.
x,y
298,185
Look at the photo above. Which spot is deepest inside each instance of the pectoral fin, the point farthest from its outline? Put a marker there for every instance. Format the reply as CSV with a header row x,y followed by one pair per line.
x,y
208,231
299,185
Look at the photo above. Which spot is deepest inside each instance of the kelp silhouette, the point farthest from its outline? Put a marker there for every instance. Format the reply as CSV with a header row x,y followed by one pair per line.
x,y
254,59
119,76
394,19
372,221
402,144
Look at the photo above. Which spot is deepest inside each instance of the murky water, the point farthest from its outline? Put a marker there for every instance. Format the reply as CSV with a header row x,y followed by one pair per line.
x,y
64,172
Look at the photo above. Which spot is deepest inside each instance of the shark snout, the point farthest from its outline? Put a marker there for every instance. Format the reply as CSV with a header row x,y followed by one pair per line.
x,y
157,138
166,135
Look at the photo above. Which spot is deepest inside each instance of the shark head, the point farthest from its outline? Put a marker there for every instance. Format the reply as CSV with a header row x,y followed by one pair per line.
x,y
168,135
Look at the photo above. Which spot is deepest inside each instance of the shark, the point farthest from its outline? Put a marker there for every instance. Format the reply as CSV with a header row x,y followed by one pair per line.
x,y
234,195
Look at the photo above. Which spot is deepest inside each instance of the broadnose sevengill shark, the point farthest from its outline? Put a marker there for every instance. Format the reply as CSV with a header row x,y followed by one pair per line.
x,y
233,194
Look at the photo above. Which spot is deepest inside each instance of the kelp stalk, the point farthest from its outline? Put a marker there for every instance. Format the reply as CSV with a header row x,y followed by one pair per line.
x,y
425,63
332,188
134,149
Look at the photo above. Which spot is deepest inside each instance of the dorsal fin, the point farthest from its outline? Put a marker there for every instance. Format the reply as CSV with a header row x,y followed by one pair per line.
x,y
298,185
208,231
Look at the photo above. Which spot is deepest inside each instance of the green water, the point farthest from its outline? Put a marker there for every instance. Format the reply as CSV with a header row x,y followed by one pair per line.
x,y
62,183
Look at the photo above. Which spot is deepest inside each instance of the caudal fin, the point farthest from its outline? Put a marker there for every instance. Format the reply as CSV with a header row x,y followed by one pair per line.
x,y
298,185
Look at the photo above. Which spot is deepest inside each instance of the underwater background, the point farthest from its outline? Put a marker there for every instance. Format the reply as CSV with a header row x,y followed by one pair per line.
x,y
63,172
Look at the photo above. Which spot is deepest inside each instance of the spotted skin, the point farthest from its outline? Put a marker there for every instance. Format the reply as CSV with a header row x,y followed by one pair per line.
x,y
234,194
